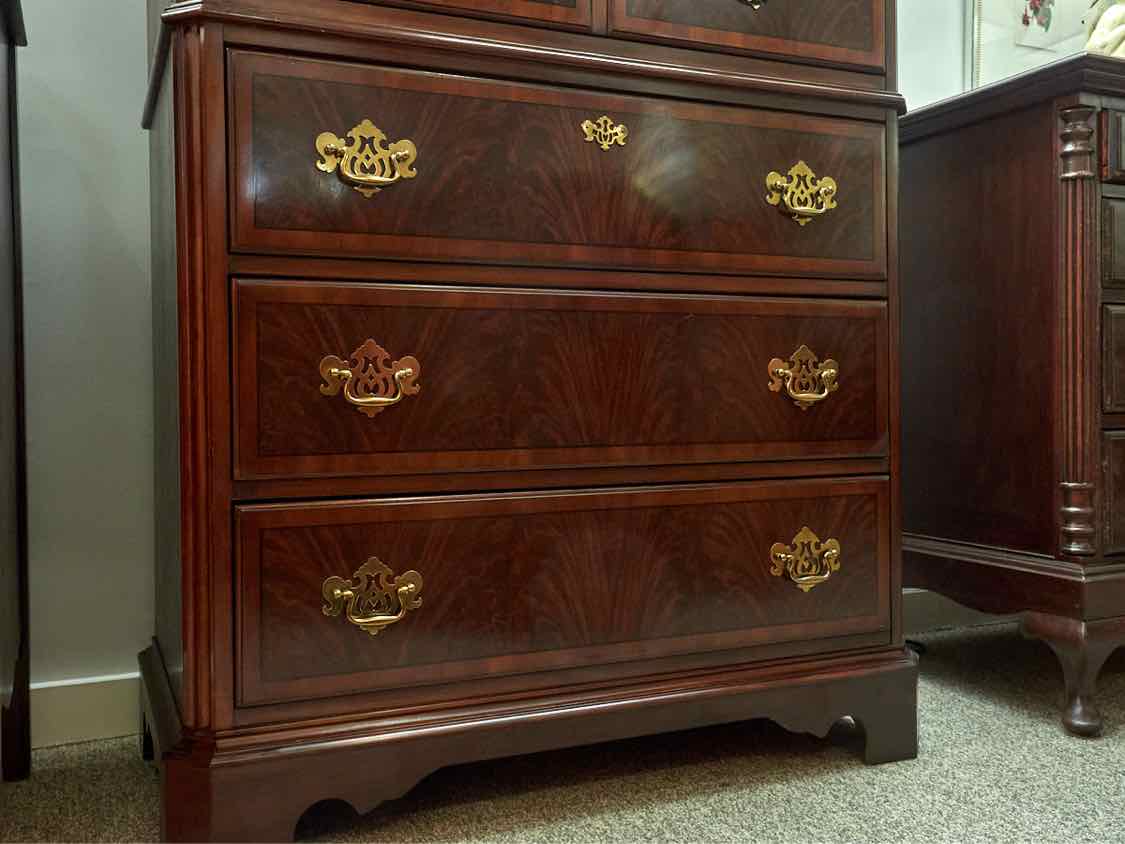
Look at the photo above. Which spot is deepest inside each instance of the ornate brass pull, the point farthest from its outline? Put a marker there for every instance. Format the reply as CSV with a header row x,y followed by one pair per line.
x,y
370,383
803,194
755,4
806,379
375,598
605,132
364,160
808,561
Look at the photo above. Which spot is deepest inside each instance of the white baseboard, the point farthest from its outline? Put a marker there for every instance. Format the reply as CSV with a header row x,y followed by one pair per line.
x,y
84,709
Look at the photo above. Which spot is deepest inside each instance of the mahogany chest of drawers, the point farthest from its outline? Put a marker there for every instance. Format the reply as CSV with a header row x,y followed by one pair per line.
x,y
526,376
1013,410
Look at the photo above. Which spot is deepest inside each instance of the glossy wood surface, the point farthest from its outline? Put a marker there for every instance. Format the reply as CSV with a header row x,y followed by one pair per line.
x,y
1013,488
488,691
505,175
536,581
477,275
15,727
381,758
1113,242
496,206
1113,358
1111,122
1082,649
571,13
1075,380
1113,448
839,31
541,379
977,400
1063,83
405,37
204,566
368,485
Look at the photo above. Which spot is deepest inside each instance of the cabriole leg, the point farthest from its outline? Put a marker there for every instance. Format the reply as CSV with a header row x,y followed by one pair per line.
x,y
1082,648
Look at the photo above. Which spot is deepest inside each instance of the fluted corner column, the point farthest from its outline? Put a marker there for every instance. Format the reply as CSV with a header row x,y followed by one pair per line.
x,y
1078,534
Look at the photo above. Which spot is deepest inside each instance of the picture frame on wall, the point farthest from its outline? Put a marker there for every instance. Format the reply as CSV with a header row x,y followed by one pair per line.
x,y
1007,37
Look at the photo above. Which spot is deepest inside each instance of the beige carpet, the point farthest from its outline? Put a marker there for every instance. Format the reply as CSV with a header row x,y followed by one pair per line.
x,y
994,765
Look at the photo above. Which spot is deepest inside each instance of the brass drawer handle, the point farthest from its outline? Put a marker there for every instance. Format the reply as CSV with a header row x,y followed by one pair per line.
x,y
604,132
803,195
807,561
375,598
755,4
370,383
806,379
364,160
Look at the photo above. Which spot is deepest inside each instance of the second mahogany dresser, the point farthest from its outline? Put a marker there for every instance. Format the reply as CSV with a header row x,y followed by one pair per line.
x,y
527,376
1013,261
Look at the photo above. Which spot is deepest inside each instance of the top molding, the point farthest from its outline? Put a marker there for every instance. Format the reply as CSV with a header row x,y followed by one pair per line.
x,y
1083,73
523,43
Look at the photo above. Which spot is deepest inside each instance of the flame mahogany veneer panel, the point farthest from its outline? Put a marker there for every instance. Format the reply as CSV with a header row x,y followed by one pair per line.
x,y
542,379
504,174
840,31
537,581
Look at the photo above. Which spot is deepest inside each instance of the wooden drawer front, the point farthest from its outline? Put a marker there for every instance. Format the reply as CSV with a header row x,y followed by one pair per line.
x,y
1113,461
1113,242
529,582
1113,358
569,13
504,174
838,31
543,379
1111,125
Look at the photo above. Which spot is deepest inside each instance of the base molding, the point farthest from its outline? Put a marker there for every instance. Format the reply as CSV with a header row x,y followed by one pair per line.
x,y
209,783
1075,608
1002,581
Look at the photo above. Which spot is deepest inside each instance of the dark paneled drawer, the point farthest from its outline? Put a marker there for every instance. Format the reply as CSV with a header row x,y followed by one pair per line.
x,y
546,379
568,13
1113,358
851,32
503,172
1111,125
1113,242
1113,461
528,582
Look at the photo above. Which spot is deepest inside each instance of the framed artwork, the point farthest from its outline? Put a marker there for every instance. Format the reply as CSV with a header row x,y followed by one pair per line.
x,y
1007,37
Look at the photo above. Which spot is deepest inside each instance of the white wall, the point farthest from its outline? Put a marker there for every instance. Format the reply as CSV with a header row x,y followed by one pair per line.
x,y
931,50
1002,57
84,174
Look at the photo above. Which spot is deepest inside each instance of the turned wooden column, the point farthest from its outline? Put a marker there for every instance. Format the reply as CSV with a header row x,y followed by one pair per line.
x,y
1078,350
